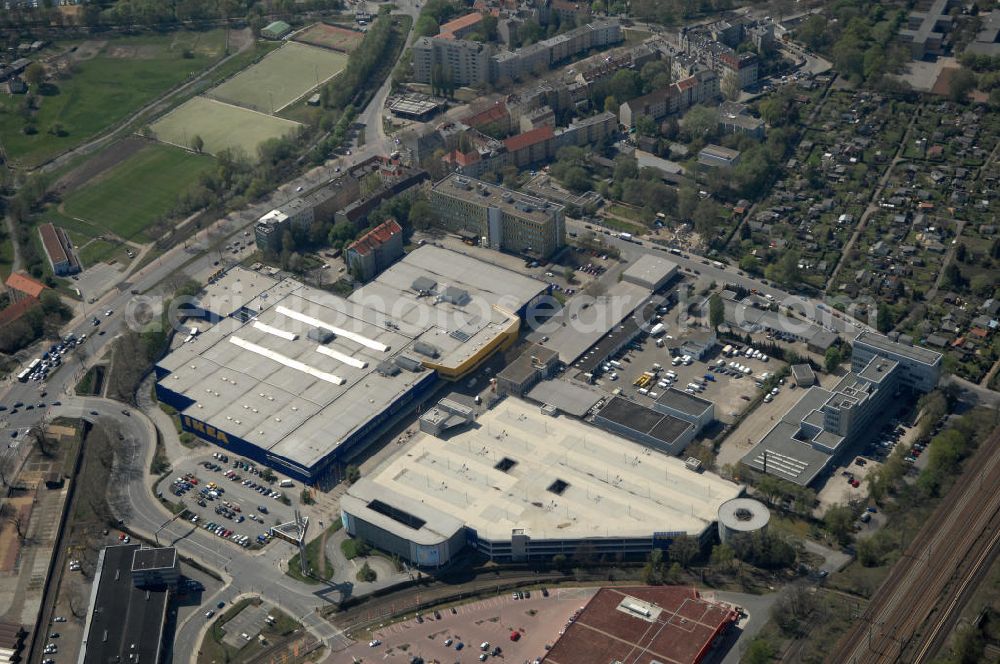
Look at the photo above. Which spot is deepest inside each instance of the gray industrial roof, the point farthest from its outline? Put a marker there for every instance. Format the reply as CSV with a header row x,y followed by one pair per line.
x,y
125,623
885,344
160,558
585,327
267,382
571,398
787,457
628,414
684,402
512,202
650,271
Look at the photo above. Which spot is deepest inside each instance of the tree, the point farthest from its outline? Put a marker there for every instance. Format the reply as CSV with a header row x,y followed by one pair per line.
x,y
610,105
962,83
197,144
366,573
652,572
683,550
832,359
646,126
839,521
722,557
352,474
701,122
34,73
730,86
421,214
716,311
760,651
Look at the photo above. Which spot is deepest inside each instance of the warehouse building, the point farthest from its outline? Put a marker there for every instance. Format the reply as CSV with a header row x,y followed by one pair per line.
x,y
506,220
649,271
532,365
644,625
302,380
125,620
523,485
59,250
663,433
699,412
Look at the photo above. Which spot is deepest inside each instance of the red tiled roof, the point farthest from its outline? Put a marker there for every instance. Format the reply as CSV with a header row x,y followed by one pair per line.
x,y
16,310
497,111
460,22
528,138
19,281
461,158
687,83
376,237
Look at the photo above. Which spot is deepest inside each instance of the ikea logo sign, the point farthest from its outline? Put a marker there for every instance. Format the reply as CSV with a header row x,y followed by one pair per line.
x,y
204,429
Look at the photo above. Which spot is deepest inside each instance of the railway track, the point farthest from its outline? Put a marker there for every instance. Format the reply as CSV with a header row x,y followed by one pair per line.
x,y
905,619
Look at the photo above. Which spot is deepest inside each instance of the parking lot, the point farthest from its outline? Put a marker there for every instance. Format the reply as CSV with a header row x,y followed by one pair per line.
x,y
839,488
537,620
236,499
730,390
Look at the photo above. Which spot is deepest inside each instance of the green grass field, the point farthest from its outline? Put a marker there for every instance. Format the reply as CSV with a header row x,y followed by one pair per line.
x,y
219,125
281,77
125,74
130,196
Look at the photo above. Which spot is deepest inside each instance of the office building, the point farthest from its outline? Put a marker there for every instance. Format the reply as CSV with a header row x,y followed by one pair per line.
x,y
506,220
824,427
920,368
927,29
535,363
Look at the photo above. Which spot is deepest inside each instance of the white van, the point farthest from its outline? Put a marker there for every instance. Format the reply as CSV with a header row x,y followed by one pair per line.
x,y
286,483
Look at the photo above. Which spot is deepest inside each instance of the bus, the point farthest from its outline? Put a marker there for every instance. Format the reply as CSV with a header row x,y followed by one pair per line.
x,y
23,376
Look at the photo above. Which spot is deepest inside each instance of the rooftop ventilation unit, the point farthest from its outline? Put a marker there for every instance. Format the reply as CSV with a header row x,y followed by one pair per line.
x,y
321,335
387,368
409,363
426,349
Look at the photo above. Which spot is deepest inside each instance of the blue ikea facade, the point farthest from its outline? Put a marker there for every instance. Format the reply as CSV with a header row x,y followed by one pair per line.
x,y
329,467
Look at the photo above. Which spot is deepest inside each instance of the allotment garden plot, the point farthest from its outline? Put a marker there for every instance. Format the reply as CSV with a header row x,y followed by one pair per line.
x,y
281,78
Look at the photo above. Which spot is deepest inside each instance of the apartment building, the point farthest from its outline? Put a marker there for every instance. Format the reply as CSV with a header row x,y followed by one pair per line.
x,y
506,220
457,61
376,250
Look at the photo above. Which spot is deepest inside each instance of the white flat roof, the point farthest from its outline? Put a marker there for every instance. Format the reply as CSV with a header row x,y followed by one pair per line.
x,y
265,381
614,487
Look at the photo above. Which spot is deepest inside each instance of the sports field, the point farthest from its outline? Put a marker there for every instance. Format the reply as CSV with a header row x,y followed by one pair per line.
x,y
133,194
220,126
281,77
101,82
330,36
